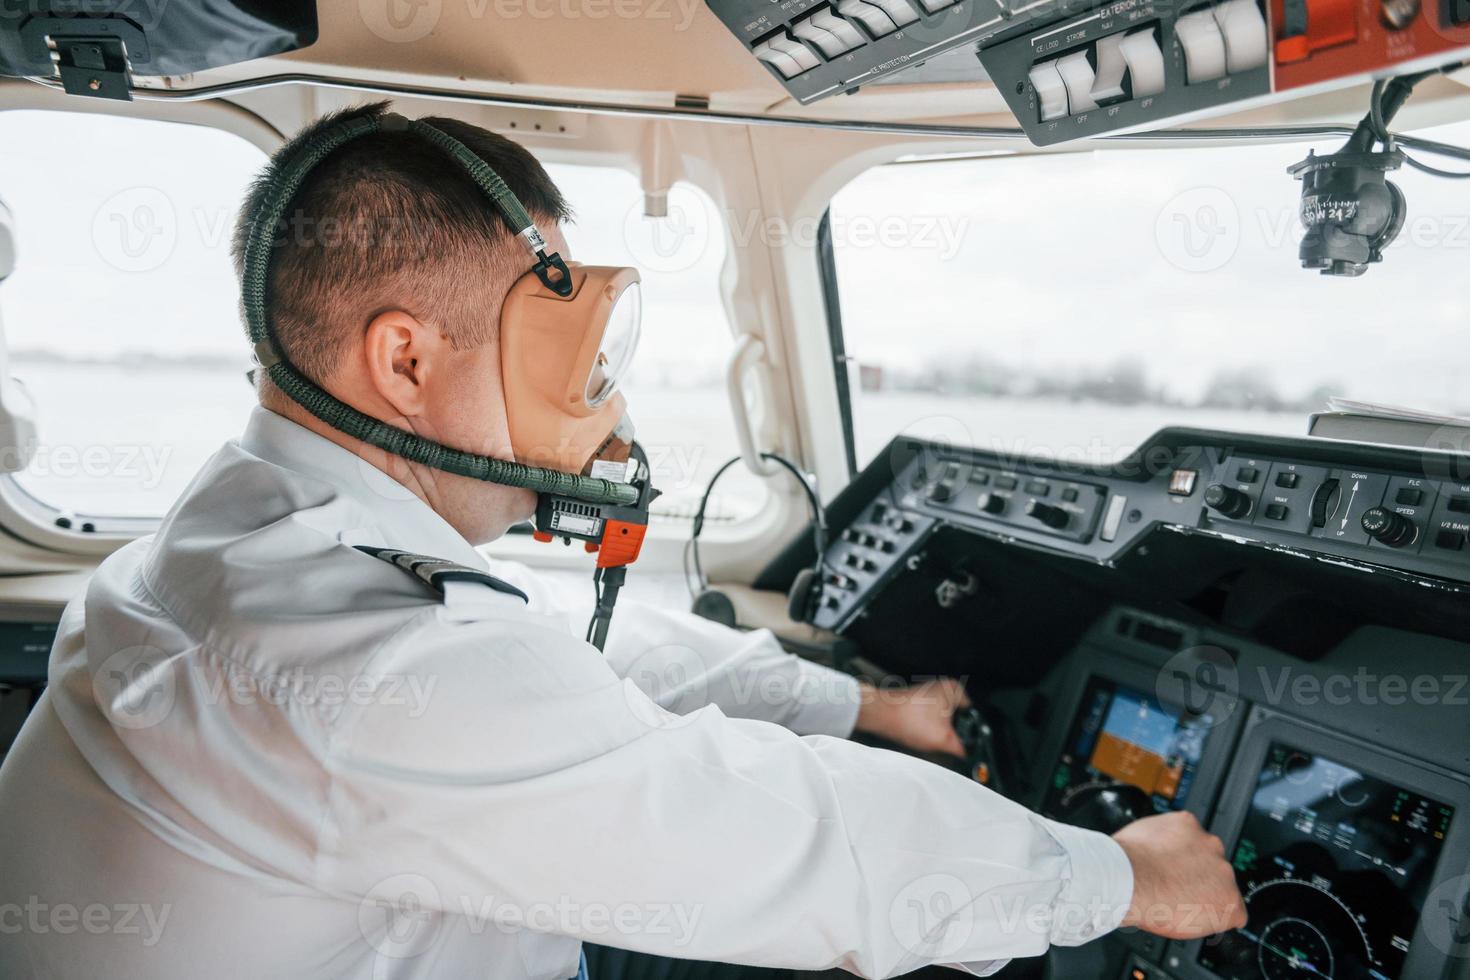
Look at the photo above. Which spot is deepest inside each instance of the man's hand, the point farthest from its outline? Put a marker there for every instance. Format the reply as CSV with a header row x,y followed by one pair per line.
x,y
918,717
1183,888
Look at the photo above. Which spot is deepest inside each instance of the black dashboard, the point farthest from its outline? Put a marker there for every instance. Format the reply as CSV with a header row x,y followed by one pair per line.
x,y
1402,512
1332,760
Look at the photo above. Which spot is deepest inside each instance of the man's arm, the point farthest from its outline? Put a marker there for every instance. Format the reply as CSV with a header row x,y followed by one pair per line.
x,y
684,662
537,783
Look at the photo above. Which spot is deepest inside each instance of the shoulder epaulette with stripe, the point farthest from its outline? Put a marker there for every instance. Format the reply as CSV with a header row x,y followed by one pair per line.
x,y
436,572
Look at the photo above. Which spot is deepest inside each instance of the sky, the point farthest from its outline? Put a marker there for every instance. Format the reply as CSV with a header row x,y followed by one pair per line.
x,y
1182,259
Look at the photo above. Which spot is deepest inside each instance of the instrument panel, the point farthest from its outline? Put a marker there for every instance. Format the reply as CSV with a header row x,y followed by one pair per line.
x,y
1352,854
1348,823
1374,508
1123,734
1335,865
1337,848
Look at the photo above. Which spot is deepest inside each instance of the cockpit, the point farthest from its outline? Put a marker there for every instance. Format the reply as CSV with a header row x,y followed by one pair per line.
x,y
1104,357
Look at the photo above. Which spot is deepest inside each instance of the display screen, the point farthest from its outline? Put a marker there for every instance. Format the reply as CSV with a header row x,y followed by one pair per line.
x,y
1334,865
1121,735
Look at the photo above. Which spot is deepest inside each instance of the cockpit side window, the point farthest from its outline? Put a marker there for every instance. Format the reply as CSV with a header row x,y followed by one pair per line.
x,y
121,318
1072,304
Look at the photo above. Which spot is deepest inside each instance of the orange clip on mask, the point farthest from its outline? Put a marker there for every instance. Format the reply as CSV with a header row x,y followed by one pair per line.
x,y
561,360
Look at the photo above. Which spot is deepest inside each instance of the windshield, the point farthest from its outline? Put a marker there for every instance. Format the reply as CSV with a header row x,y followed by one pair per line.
x,y
1070,305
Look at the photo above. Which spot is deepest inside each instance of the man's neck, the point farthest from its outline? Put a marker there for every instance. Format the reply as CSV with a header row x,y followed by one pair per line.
x,y
273,400
484,511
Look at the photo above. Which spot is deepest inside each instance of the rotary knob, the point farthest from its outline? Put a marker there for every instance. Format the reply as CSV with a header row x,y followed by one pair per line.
x,y
1049,514
1392,529
991,503
1227,501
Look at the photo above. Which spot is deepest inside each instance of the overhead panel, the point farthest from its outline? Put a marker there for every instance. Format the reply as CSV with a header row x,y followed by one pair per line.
x,y
1071,70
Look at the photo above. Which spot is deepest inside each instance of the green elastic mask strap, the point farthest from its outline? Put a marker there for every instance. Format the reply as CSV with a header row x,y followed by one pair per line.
x,y
285,181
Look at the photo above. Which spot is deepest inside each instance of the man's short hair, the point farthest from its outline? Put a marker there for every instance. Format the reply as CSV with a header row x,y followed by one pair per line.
x,y
389,221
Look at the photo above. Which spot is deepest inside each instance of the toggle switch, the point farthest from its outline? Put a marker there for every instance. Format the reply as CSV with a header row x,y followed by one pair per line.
x,y
898,11
1145,62
839,28
869,15
827,43
1244,31
795,50
1111,70
1077,77
779,60
1204,46
1051,91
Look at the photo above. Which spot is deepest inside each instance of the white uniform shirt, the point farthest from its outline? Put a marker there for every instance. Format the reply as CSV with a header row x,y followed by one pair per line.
x,y
265,753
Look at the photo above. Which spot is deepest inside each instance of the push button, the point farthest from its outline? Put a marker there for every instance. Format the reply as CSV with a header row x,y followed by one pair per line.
x,y
1247,474
1287,480
1005,483
1051,91
1276,512
1204,47
1460,505
869,15
1113,518
1409,497
1450,540
1244,31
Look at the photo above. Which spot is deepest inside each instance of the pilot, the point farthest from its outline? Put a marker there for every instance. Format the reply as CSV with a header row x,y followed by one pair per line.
x,y
308,730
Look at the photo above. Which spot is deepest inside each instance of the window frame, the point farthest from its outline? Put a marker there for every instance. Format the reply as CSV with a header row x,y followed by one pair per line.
x,y
841,361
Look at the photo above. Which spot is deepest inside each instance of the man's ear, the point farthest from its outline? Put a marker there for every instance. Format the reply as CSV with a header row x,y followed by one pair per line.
x,y
401,353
